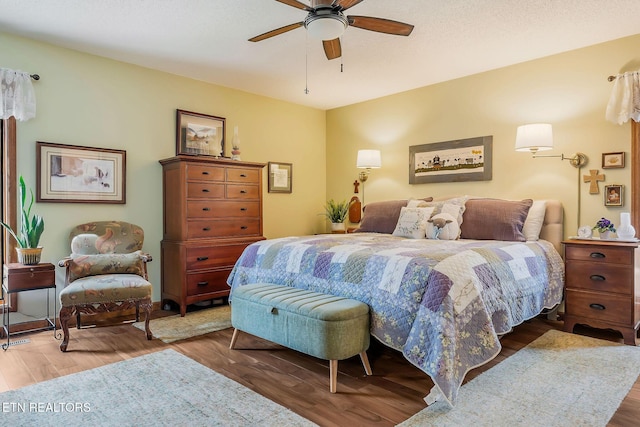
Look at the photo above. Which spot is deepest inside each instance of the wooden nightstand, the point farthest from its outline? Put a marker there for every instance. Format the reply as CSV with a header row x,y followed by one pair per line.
x,y
600,286
21,278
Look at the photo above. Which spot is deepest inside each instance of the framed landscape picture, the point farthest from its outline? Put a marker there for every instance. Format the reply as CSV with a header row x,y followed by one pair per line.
x,y
77,174
199,134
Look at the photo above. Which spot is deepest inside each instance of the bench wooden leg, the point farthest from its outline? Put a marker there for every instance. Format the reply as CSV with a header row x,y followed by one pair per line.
x,y
333,375
365,363
234,337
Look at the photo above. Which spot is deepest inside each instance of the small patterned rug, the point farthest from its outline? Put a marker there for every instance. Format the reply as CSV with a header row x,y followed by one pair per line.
x,y
175,328
559,379
164,388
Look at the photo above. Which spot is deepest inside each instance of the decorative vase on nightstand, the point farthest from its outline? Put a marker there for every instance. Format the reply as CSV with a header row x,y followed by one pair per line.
x,y
605,235
626,231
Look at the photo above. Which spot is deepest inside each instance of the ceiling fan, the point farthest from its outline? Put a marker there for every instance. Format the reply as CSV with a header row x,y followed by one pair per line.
x,y
326,21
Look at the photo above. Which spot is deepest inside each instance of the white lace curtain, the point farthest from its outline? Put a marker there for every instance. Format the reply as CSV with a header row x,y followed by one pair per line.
x,y
17,97
624,103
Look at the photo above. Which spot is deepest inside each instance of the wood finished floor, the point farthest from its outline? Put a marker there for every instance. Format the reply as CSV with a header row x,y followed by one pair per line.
x,y
294,380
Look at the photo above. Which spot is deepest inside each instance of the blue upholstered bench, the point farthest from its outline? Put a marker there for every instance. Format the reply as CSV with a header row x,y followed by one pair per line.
x,y
324,326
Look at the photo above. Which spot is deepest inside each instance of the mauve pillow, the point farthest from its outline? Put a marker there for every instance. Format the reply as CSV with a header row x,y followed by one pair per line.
x,y
382,217
495,219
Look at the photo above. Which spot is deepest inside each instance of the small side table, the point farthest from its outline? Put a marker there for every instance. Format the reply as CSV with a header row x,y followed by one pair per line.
x,y
20,278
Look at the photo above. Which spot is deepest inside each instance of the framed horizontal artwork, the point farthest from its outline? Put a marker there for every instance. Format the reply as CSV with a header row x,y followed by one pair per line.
x,y
613,195
280,177
199,134
76,174
612,160
451,161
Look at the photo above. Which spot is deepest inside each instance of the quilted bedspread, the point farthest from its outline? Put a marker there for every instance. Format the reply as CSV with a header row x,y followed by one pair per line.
x,y
443,304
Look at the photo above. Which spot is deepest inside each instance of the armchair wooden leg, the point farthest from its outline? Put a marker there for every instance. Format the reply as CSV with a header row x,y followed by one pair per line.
x,y
333,375
78,324
65,316
147,305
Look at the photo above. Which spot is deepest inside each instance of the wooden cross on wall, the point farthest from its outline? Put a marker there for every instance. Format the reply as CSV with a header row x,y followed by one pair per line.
x,y
593,179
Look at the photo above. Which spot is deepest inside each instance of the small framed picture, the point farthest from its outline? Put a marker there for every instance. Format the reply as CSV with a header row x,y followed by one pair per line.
x,y
199,134
280,177
613,195
612,160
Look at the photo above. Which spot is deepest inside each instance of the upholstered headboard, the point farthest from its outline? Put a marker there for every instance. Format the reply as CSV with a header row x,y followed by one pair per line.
x,y
553,225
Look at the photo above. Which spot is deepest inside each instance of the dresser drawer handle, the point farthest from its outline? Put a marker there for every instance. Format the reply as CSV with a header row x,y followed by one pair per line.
x,y
597,278
243,191
206,209
597,306
242,175
203,283
202,258
243,227
243,209
206,228
597,255
205,190
205,173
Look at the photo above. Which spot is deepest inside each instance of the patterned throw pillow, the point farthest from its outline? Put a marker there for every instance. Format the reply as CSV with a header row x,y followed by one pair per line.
x,y
95,265
412,222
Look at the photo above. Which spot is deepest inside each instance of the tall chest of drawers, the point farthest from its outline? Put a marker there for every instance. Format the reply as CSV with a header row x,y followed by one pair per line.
x,y
601,289
212,210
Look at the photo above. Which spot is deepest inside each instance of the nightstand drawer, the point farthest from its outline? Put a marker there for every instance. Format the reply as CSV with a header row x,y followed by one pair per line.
x,y
599,277
600,254
603,307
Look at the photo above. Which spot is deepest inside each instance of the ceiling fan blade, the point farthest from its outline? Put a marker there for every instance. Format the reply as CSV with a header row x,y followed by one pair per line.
x,y
296,4
276,32
332,48
380,25
346,4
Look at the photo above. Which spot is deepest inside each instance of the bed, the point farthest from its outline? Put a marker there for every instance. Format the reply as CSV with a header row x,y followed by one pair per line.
x,y
443,302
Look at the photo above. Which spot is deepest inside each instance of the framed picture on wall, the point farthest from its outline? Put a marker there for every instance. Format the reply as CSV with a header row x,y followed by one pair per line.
x,y
613,195
612,160
77,174
199,134
280,177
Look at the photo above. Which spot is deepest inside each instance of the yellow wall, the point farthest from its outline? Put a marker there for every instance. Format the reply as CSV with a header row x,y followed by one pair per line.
x,y
92,101
569,90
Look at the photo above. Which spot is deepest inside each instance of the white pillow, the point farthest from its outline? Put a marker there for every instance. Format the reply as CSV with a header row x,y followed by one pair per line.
x,y
416,203
449,232
534,221
412,222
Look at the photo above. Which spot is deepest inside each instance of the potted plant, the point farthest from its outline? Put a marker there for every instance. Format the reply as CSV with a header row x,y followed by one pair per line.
x,y
604,227
337,213
31,228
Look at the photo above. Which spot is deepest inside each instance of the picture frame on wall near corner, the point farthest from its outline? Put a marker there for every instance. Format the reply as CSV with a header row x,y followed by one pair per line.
x,y
78,174
199,134
614,195
280,177
612,160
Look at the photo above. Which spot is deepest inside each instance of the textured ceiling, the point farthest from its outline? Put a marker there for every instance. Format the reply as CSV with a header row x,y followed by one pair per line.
x,y
207,40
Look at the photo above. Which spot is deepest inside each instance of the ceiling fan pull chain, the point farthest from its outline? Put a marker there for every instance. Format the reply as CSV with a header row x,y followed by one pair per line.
x,y
306,65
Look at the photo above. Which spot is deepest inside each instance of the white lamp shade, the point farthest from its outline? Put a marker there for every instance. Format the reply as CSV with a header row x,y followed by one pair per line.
x,y
369,159
534,137
326,27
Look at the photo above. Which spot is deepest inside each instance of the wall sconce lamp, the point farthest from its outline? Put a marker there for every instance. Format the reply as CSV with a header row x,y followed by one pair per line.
x,y
539,137
368,159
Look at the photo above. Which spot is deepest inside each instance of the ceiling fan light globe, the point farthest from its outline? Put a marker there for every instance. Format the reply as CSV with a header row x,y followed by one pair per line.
x,y
326,27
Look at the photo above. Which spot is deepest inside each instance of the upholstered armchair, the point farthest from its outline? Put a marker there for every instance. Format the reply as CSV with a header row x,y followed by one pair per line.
x,y
106,271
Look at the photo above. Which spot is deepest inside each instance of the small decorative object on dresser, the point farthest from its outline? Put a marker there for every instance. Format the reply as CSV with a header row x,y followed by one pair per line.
x,y
605,228
626,231
235,145
600,287
212,211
